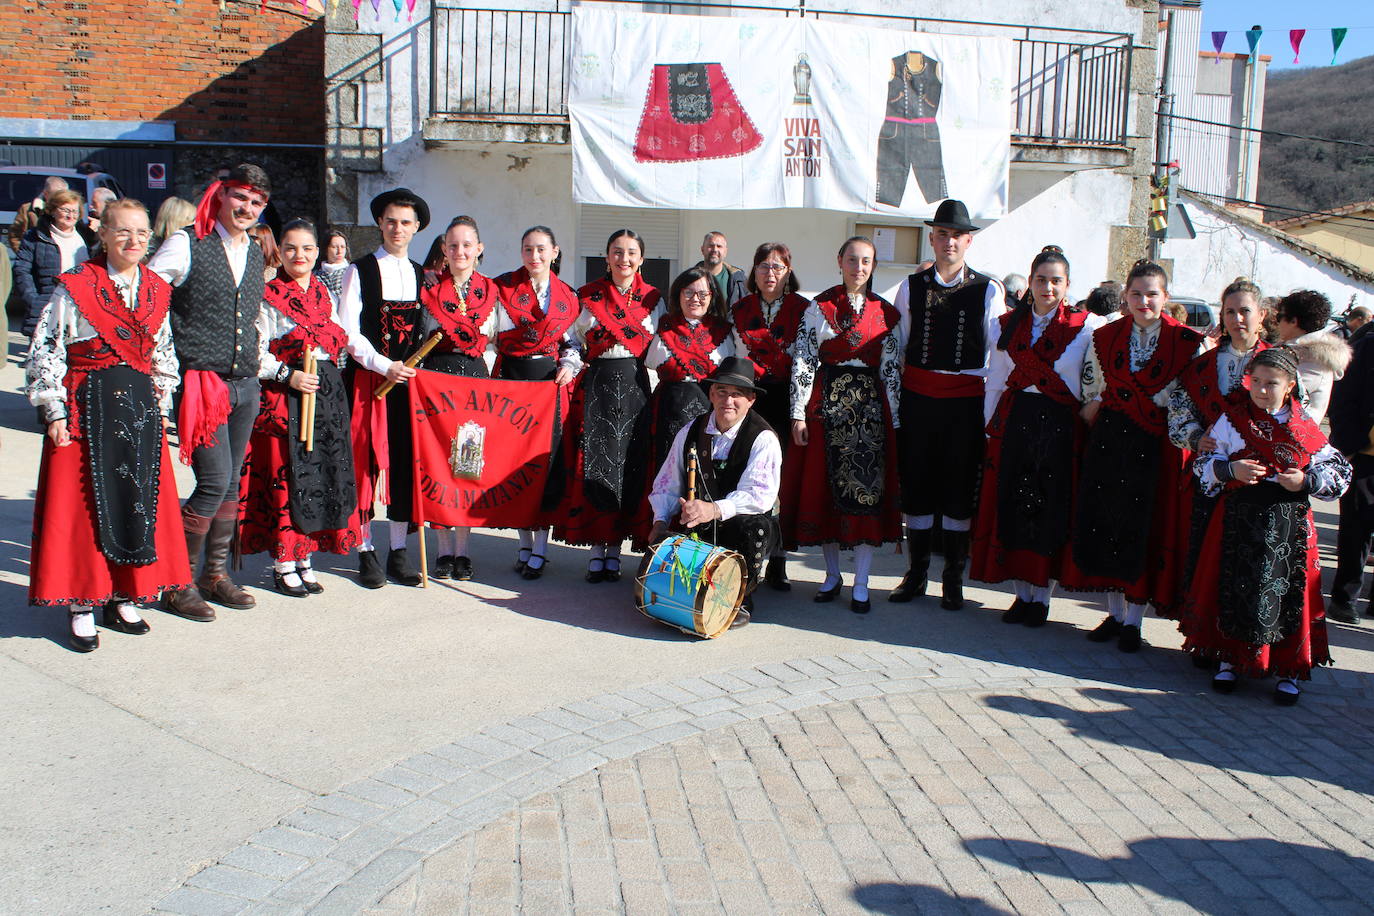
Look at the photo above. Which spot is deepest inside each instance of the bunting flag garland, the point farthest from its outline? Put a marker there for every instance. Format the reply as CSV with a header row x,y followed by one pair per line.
x,y
1252,35
1218,39
410,10
357,5
398,4
377,8
1295,39
1337,36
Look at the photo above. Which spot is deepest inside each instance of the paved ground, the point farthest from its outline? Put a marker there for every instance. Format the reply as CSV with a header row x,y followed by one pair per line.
x,y
541,745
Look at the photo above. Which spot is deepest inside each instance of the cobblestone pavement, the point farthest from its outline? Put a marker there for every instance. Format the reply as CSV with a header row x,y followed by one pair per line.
x,y
895,781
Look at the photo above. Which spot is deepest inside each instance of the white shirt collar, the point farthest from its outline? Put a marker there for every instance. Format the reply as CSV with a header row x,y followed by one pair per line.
x,y
958,278
729,434
382,254
229,239
1149,329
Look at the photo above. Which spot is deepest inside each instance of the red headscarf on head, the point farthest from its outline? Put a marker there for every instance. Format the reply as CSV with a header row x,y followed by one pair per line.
x,y
208,208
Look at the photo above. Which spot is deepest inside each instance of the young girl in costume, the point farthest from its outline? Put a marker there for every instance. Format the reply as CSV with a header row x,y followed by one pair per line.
x,y
1031,406
1125,529
1255,604
534,344
841,491
608,428
297,500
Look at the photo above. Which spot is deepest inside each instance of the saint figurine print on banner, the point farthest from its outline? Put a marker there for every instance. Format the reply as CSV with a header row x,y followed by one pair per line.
x,y
466,457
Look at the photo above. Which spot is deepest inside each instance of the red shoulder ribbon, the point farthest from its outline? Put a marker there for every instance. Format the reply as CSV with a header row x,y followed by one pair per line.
x,y
1203,385
1034,363
537,332
767,343
1130,392
690,348
312,311
619,319
1278,446
460,319
857,336
131,334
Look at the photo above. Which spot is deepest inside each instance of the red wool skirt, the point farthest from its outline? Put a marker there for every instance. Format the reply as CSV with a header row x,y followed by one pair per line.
x,y
65,563
265,508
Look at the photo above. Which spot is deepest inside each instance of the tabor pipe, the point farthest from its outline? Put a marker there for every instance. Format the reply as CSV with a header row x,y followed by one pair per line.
x,y
691,473
385,388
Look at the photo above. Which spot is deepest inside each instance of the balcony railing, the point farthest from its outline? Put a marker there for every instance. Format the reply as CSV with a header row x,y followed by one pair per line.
x,y
1072,86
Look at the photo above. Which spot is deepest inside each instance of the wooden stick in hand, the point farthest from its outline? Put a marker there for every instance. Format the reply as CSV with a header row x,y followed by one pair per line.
x,y
412,362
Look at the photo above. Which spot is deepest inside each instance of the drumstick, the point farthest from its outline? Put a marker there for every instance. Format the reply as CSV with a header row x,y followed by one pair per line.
x,y
414,361
691,473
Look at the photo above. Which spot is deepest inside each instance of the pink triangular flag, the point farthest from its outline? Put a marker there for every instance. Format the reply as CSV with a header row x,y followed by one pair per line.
x,y
1295,39
410,9
357,5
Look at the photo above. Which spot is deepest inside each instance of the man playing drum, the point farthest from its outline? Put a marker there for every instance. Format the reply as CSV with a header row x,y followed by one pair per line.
x,y
738,461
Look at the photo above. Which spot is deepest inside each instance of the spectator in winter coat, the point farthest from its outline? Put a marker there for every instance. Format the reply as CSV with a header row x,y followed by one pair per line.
x,y
59,242
1322,356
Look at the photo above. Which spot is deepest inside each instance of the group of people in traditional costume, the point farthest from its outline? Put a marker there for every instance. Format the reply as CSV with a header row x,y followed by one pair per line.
x,y
1025,442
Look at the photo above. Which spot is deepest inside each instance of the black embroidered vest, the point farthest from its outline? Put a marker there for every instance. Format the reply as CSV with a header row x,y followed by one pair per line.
x,y
372,320
947,330
715,479
214,322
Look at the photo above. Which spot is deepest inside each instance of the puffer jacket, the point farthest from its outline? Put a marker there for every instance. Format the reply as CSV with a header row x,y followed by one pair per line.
x,y
1322,359
37,265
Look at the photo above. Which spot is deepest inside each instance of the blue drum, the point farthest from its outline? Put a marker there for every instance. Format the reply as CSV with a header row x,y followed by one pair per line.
x,y
691,585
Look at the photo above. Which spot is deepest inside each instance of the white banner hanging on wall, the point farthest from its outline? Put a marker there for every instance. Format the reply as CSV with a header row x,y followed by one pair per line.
x,y
714,113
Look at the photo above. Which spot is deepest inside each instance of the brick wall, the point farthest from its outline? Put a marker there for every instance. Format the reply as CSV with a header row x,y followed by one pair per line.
x,y
237,75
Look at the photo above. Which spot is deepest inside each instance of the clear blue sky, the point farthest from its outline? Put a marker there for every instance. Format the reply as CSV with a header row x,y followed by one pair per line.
x,y
1277,17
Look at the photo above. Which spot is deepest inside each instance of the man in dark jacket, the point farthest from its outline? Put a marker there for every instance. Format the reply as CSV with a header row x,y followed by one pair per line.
x,y
729,281
1351,415
38,262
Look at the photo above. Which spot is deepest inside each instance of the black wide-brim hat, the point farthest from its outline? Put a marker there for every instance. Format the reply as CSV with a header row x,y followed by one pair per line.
x,y
952,214
402,196
736,371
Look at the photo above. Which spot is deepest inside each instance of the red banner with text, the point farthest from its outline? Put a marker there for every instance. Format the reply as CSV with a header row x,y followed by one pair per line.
x,y
482,449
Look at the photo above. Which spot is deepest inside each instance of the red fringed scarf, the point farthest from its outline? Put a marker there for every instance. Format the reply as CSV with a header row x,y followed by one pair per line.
x,y
461,318
537,332
768,342
1034,363
1131,393
1278,446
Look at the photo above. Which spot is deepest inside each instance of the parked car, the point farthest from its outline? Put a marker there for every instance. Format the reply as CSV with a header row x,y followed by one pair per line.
x,y
20,184
1201,313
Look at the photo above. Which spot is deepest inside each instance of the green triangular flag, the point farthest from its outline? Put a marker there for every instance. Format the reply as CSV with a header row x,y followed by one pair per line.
x,y
1337,36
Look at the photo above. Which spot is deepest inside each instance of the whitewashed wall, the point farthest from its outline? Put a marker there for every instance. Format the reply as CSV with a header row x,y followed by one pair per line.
x,y
1226,248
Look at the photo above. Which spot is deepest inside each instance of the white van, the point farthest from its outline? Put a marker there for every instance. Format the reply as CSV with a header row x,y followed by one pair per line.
x,y
20,184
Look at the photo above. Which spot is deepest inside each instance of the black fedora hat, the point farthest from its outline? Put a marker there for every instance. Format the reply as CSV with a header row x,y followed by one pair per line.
x,y
736,371
400,196
952,214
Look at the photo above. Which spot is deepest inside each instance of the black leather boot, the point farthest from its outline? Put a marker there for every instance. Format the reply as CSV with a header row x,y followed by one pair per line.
x,y
187,602
956,558
913,584
214,582
399,569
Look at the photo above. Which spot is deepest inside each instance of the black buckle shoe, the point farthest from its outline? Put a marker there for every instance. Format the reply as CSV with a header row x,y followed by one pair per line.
x,y
1016,613
531,572
113,620
291,591
613,569
1285,697
596,573
826,595
1225,681
1037,613
462,569
860,607
370,574
1106,631
398,570
443,567
1129,640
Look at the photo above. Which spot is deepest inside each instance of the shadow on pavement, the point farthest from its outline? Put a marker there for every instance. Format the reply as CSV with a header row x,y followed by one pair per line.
x,y
892,899
1208,875
1218,731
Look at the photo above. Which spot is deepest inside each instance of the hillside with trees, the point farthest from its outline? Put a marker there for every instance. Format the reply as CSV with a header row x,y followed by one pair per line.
x,y
1305,175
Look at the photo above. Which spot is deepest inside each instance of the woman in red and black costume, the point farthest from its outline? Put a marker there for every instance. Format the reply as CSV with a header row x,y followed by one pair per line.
x,y
694,336
295,500
1255,603
533,340
608,426
840,489
766,325
1125,528
1031,406
463,305
1200,399
106,522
